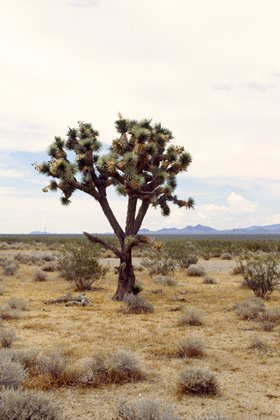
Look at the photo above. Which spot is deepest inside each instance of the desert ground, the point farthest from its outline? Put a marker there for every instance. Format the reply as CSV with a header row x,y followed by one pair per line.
x,y
242,355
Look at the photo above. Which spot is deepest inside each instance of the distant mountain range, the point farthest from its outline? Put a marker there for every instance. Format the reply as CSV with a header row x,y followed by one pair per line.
x,y
204,230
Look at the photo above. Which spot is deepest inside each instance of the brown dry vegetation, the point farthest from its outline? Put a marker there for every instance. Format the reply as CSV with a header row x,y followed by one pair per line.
x,y
248,376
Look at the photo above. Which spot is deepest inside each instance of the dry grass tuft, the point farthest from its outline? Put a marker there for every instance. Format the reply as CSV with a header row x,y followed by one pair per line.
x,y
191,316
145,409
191,347
27,405
137,305
250,308
197,381
117,367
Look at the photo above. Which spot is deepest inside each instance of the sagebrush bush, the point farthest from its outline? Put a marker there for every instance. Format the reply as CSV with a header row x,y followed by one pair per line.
x,y
27,405
79,264
53,363
7,338
27,358
50,266
145,409
16,303
191,316
261,273
40,275
158,262
198,381
191,347
12,374
258,344
226,256
10,269
116,367
135,304
209,280
6,312
195,271
250,308
165,281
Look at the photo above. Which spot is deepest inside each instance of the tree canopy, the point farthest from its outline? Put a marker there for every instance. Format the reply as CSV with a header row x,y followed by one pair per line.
x,y
141,165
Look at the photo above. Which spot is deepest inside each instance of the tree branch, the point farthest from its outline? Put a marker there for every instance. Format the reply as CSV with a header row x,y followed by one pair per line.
x,y
140,216
130,216
96,239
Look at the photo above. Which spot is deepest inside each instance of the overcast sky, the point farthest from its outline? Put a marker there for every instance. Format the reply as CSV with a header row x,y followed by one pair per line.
x,y
207,70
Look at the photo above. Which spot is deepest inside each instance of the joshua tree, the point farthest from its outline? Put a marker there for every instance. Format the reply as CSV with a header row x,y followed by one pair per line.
x,y
139,165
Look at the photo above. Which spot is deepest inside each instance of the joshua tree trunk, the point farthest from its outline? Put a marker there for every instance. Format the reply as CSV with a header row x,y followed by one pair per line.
x,y
126,279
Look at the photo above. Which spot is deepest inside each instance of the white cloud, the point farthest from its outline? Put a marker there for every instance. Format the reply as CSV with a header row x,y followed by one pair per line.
x,y
209,71
273,220
238,204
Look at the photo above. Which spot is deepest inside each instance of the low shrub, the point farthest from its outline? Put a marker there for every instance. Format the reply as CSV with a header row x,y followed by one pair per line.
x,y
79,264
197,381
165,281
7,313
135,304
209,280
258,344
195,271
7,338
145,409
191,347
226,256
27,358
40,275
12,374
16,303
250,308
116,367
157,262
10,269
191,316
50,267
54,363
27,405
261,273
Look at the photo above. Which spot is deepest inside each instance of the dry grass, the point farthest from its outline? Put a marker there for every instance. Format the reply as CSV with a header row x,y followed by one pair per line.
x,y
248,378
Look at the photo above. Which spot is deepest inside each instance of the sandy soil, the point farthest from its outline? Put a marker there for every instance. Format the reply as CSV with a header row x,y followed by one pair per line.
x,y
249,379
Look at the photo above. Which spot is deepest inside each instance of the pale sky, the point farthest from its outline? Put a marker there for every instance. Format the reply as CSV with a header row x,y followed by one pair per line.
x,y
207,70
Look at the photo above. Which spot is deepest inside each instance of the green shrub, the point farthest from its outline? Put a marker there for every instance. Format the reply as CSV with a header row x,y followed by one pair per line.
x,y
261,274
27,405
79,264
145,409
198,381
158,262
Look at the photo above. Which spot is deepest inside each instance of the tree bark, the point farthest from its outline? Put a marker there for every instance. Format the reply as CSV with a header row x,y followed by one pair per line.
x,y
126,278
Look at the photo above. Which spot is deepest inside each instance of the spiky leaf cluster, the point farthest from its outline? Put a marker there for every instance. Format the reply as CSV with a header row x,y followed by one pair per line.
x,y
141,163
